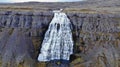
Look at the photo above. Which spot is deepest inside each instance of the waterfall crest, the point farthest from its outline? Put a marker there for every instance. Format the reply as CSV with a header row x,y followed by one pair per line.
x,y
57,43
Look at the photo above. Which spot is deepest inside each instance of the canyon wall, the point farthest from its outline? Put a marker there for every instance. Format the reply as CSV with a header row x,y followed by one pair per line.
x,y
96,39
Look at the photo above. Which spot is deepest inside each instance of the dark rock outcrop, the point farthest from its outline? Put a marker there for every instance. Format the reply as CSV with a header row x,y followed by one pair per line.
x,y
96,39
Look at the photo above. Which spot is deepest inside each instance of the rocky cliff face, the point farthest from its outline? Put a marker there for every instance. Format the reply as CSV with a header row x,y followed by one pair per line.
x,y
96,39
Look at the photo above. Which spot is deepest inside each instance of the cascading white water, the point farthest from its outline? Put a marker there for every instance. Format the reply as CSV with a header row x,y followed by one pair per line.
x,y
57,43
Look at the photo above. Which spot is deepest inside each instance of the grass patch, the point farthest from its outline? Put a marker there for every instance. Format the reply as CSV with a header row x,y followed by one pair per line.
x,y
80,10
41,64
76,61
11,31
0,63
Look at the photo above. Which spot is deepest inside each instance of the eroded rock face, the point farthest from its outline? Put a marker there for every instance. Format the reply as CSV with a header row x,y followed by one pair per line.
x,y
96,39
17,48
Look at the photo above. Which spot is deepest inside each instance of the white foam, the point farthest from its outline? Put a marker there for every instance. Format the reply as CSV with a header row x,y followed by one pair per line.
x,y
57,43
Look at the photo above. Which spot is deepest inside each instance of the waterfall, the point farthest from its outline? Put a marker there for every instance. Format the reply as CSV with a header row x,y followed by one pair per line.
x,y
57,43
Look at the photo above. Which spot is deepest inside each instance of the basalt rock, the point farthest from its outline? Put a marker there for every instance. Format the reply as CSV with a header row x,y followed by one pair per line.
x,y
96,39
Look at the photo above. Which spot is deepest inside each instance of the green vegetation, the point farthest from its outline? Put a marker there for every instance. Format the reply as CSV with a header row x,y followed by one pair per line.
x,y
77,61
